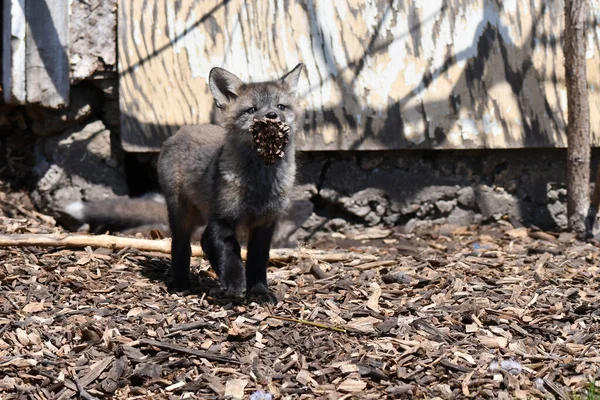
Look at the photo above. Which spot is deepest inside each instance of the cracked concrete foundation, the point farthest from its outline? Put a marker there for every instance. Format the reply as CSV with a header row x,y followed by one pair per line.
x,y
409,190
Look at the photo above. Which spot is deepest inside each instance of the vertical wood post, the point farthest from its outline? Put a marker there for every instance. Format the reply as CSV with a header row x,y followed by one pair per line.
x,y
578,131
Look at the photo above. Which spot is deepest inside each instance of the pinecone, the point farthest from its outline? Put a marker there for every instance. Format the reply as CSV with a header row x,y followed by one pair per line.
x,y
270,139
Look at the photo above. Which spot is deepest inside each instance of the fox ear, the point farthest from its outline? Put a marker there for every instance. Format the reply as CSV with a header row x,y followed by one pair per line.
x,y
292,77
224,86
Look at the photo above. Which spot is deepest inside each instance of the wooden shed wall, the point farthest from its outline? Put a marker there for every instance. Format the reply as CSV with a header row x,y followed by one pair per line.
x,y
381,74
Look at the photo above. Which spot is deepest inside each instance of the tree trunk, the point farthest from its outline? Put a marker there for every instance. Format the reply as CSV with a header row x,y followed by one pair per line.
x,y
578,131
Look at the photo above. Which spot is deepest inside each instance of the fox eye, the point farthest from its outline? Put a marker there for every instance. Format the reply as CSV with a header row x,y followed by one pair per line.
x,y
281,107
251,110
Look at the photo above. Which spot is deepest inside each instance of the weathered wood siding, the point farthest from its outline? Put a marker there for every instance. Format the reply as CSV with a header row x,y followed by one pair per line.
x,y
35,63
47,60
380,74
13,51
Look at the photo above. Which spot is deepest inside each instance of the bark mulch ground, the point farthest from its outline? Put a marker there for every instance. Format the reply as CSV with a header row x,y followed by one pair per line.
x,y
480,312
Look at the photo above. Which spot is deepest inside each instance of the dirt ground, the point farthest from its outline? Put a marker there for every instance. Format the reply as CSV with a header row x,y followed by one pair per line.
x,y
478,312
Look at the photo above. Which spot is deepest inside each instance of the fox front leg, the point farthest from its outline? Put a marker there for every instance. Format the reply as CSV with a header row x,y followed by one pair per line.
x,y
224,254
259,245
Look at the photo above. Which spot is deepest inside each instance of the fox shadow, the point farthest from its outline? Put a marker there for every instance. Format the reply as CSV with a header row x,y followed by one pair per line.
x,y
203,283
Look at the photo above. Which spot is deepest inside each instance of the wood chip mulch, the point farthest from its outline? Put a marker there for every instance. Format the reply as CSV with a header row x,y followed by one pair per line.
x,y
480,312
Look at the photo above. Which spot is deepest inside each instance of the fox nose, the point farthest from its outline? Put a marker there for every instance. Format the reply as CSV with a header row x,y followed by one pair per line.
x,y
271,115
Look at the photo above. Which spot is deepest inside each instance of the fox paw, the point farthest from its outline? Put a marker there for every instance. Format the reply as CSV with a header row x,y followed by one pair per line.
x,y
261,294
233,282
180,284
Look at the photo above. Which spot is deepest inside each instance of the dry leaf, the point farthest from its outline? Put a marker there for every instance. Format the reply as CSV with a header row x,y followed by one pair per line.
x,y
135,311
22,336
304,378
363,324
235,388
467,357
493,342
348,368
34,307
239,333
373,302
517,233
352,385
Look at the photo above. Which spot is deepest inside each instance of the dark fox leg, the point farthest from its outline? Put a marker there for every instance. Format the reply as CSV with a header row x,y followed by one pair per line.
x,y
181,251
224,254
259,244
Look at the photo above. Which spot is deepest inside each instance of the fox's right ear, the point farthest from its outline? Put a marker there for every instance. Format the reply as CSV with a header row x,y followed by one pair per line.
x,y
292,77
224,86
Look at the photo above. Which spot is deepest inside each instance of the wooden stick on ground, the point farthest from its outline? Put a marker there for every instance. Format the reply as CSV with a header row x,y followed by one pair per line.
x,y
311,323
161,246
187,350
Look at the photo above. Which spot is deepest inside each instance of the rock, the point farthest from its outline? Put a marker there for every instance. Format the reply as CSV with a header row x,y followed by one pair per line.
x,y
406,209
558,212
466,197
305,191
336,225
461,217
47,122
371,233
92,37
310,229
329,195
391,219
445,206
539,192
495,204
557,194
76,165
369,205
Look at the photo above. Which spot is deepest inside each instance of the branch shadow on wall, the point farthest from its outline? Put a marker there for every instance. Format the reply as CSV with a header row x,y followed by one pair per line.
x,y
540,123
537,131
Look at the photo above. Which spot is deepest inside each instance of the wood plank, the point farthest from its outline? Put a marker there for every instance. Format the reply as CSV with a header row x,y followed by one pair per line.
x,y
13,51
379,74
47,58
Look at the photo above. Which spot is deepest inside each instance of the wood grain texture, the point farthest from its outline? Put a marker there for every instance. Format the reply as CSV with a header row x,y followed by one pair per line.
x,y
379,74
13,51
47,62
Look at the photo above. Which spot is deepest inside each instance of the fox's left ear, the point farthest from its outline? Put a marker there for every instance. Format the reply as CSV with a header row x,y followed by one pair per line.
x,y
292,77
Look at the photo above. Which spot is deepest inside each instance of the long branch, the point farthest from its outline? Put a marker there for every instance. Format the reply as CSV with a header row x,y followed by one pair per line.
x,y
161,246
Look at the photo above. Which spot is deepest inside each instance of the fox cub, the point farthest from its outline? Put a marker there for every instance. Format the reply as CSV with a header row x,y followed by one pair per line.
x,y
213,176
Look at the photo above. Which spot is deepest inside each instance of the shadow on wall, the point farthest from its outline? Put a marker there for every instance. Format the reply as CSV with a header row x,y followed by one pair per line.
x,y
496,63
539,125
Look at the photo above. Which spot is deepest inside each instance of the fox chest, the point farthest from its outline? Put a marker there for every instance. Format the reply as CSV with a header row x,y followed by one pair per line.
x,y
256,198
